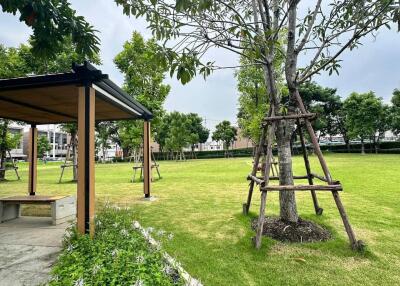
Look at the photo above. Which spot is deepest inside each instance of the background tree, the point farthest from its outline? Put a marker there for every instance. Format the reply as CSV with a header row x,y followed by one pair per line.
x,y
43,146
178,134
104,132
253,102
361,110
383,122
225,133
144,76
198,134
72,129
8,142
254,29
395,112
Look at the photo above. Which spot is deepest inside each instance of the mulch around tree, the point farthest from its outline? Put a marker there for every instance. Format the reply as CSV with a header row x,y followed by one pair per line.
x,y
301,231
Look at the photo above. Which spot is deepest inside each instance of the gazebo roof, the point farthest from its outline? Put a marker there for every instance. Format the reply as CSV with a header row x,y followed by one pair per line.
x,y
53,98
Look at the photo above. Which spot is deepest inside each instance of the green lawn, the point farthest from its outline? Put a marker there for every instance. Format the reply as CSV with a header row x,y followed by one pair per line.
x,y
201,202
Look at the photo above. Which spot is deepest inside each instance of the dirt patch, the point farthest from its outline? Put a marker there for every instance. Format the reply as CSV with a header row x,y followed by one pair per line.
x,y
301,231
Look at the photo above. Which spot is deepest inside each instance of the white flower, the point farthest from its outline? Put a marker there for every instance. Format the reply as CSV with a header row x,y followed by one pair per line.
x,y
79,282
168,270
124,232
114,252
150,229
70,248
161,232
139,259
170,236
136,225
139,283
115,225
96,269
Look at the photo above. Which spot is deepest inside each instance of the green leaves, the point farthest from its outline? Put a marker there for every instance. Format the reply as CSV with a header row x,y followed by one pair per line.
x,y
117,255
225,132
53,21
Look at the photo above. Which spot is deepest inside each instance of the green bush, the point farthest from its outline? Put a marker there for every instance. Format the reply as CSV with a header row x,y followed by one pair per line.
x,y
117,255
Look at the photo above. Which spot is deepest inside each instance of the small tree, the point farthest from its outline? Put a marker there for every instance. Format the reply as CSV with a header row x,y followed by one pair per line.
x,y
197,132
225,133
43,146
178,134
361,111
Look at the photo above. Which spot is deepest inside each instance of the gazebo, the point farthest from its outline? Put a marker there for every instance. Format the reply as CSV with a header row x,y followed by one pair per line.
x,y
84,95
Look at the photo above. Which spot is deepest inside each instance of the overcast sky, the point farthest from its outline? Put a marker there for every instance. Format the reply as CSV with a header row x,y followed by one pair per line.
x,y
374,66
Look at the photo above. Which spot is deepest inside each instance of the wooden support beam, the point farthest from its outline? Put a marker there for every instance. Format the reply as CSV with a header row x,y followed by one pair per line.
x,y
86,150
275,178
268,120
257,180
302,188
146,159
32,149
317,208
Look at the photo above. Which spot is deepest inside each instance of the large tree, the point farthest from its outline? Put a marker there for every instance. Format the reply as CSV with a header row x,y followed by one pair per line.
x,y
144,81
255,29
362,111
225,133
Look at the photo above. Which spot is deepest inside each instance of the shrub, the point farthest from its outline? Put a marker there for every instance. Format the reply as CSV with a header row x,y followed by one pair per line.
x,y
117,255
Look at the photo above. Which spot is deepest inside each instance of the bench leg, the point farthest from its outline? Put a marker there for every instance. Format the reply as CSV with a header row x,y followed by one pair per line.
x,y
63,210
9,212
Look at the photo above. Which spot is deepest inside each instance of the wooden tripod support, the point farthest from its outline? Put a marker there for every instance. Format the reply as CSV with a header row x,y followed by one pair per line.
x,y
139,165
11,165
73,144
267,138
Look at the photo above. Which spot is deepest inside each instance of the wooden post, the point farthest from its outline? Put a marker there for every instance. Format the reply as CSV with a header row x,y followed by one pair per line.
x,y
146,159
317,208
268,164
32,160
86,188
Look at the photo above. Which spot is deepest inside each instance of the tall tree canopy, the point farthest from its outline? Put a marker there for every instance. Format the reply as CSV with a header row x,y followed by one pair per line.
x,y
266,32
52,21
144,77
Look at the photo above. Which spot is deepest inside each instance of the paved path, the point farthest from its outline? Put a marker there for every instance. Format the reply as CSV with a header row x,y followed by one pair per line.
x,y
28,248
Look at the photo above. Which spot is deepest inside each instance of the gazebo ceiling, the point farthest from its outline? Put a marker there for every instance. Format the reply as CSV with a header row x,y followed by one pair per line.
x,y
53,98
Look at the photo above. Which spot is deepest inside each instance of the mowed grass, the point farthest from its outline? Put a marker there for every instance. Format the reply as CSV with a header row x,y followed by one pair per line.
x,y
200,201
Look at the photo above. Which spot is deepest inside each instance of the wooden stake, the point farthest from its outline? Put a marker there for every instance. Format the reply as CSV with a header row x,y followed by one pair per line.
x,y
32,160
317,209
354,243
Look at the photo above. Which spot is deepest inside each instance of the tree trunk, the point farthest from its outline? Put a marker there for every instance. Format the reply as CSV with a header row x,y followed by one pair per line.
x,y
287,199
347,142
362,147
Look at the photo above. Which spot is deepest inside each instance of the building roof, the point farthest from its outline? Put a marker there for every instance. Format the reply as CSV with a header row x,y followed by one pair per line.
x,y
53,98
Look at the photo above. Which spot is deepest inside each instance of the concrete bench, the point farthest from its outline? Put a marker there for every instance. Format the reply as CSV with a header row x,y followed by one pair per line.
x,y
63,208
